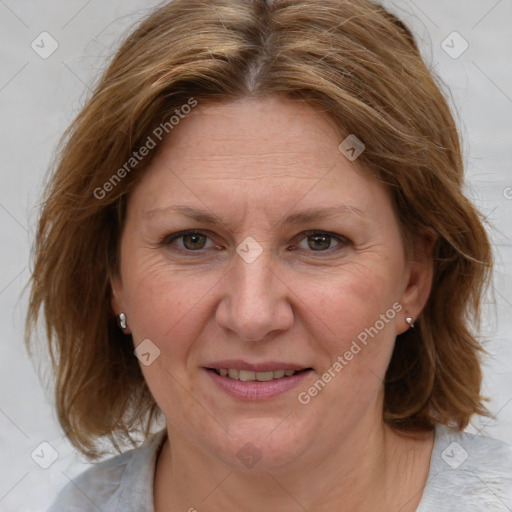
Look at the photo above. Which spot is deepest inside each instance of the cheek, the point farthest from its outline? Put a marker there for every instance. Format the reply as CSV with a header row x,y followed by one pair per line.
x,y
351,299
358,317
170,308
166,305
356,313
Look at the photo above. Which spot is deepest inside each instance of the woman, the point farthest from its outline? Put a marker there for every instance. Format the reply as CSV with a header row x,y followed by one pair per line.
x,y
254,232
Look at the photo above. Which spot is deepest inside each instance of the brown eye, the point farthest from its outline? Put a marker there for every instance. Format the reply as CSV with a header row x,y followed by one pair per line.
x,y
193,241
319,242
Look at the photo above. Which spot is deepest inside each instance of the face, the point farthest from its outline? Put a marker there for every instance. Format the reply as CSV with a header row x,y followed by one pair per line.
x,y
253,247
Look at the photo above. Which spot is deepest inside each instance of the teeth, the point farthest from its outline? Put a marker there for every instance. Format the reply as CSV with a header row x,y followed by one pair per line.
x,y
246,376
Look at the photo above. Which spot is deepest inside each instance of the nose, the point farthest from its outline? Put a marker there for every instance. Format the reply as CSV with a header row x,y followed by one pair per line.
x,y
255,301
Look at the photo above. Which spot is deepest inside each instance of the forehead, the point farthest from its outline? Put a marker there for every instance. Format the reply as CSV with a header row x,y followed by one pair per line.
x,y
256,155
254,138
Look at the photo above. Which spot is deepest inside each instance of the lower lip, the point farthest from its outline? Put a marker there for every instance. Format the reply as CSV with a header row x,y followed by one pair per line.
x,y
255,390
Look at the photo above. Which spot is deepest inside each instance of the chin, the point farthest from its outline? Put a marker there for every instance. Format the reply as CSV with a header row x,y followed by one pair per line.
x,y
263,443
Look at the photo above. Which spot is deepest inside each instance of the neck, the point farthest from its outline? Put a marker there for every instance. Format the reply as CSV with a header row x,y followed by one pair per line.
x,y
380,470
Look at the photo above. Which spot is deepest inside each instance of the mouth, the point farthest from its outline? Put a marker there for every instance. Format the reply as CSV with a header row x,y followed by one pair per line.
x,y
256,382
249,376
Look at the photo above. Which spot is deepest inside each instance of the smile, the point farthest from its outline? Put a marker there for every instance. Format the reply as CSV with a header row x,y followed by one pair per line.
x,y
245,384
246,375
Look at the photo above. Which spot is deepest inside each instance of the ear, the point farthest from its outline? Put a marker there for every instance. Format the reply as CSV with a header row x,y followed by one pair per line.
x,y
117,297
418,277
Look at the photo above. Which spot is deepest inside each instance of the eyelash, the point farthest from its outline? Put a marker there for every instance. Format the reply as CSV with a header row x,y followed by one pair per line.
x,y
169,239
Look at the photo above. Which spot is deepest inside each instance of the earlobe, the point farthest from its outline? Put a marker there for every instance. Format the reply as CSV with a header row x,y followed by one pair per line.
x,y
117,303
419,279
116,287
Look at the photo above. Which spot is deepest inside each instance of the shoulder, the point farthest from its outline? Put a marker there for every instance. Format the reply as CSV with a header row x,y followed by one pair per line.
x,y
116,484
468,473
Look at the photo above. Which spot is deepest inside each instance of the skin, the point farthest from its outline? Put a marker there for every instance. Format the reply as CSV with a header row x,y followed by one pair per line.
x,y
251,163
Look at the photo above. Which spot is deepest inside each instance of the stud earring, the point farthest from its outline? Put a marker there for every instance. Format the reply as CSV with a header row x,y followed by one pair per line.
x,y
409,320
122,320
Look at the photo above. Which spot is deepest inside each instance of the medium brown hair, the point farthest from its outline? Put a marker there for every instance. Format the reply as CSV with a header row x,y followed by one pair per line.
x,y
353,60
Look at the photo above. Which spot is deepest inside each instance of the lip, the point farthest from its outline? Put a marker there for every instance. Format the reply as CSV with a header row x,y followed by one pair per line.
x,y
269,366
255,390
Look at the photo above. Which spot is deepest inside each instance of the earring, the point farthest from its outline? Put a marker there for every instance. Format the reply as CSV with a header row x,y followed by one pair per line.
x,y
122,320
409,321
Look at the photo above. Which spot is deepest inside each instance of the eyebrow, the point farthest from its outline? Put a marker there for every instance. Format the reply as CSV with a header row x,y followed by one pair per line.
x,y
302,217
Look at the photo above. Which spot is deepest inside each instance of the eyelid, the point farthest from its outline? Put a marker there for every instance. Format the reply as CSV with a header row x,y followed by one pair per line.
x,y
311,232
342,240
168,239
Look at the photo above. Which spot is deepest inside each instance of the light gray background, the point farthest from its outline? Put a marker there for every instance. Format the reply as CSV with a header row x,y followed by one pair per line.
x,y
39,98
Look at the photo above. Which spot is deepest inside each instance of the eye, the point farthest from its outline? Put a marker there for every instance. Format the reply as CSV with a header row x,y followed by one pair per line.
x,y
196,241
320,241
190,241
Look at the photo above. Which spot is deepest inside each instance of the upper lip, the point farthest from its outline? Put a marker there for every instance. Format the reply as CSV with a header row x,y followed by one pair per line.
x,y
267,366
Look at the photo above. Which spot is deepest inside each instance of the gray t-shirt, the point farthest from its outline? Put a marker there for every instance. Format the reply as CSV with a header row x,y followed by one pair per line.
x,y
467,474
